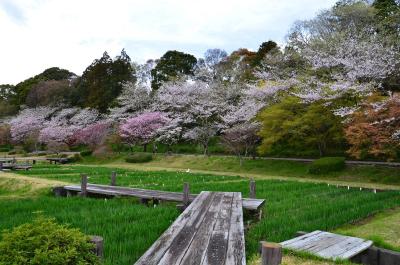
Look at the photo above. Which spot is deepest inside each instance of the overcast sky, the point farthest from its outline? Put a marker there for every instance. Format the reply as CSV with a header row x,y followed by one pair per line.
x,y
38,34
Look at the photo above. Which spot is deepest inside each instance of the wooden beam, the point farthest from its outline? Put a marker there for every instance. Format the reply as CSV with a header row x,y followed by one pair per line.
x,y
252,189
271,253
113,178
98,246
83,185
186,193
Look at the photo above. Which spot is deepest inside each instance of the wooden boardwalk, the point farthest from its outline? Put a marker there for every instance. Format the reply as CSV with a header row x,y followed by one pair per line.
x,y
328,245
249,204
210,231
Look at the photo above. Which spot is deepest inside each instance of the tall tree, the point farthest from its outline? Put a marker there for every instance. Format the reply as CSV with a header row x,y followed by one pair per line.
x,y
102,82
172,65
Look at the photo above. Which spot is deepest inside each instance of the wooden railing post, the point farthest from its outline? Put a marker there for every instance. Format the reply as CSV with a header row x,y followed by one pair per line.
x,y
186,191
1,166
252,189
83,185
113,178
271,253
98,245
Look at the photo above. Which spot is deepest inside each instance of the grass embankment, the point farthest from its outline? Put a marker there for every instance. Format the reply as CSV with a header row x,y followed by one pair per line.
x,y
383,229
365,176
291,206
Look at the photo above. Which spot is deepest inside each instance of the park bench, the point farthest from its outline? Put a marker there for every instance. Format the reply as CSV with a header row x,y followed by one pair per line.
x,y
144,194
14,166
209,231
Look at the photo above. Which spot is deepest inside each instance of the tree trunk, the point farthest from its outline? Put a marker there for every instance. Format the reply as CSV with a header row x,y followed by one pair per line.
x,y
145,148
205,146
240,160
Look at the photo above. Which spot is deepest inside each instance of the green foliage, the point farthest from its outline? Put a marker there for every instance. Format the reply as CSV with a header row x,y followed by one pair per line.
x,y
327,164
264,49
46,242
171,65
139,158
295,125
75,158
86,153
23,88
101,83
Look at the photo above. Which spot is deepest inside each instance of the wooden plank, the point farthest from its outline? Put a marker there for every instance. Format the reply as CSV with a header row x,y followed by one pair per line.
x,y
236,247
218,241
303,238
339,248
198,246
184,238
354,251
249,204
328,245
155,253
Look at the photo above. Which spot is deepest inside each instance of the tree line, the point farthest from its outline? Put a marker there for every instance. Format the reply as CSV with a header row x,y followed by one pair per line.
x,y
332,89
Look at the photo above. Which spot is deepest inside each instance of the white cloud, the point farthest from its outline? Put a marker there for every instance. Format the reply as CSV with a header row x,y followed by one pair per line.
x,y
37,34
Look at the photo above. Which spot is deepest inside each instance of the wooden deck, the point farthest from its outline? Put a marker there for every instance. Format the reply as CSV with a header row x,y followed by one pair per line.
x,y
328,245
249,204
210,231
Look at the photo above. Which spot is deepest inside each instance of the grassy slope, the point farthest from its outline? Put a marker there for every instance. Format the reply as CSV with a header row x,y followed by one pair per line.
x,y
383,229
360,176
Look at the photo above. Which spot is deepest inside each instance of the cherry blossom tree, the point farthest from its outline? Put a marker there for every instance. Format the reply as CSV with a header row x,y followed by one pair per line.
x,y
93,135
28,124
242,139
134,99
140,130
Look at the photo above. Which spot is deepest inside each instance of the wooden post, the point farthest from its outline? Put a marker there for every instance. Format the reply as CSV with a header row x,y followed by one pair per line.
x,y
33,162
186,191
1,166
271,253
113,178
98,245
83,185
252,189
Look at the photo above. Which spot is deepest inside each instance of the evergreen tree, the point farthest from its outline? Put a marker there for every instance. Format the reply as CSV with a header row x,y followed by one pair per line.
x,y
171,65
102,82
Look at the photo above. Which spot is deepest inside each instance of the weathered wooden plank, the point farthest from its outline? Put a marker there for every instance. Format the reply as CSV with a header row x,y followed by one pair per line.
x,y
249,204
155,253
217,244
198,246
328,245
354,251
303,237
185,237
236,248
339,248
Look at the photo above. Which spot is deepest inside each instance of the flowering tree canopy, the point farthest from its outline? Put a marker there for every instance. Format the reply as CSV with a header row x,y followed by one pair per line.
x,y
92,135
140,130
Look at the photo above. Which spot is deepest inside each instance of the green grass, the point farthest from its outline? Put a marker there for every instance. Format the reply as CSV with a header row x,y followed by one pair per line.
x,y
291,206
128,228
364,174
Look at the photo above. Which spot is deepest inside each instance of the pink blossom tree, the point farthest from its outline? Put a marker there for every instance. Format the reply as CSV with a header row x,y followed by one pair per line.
x,y
140,130
93,135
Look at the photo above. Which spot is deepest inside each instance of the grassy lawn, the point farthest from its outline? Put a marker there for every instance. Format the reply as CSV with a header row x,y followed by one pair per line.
x,y
383,229
129,229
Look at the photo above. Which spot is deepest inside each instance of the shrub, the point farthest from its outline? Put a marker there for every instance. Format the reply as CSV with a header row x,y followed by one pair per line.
x,y
139,158
86,153
4,149
75,158
46,242
326,165
12,152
